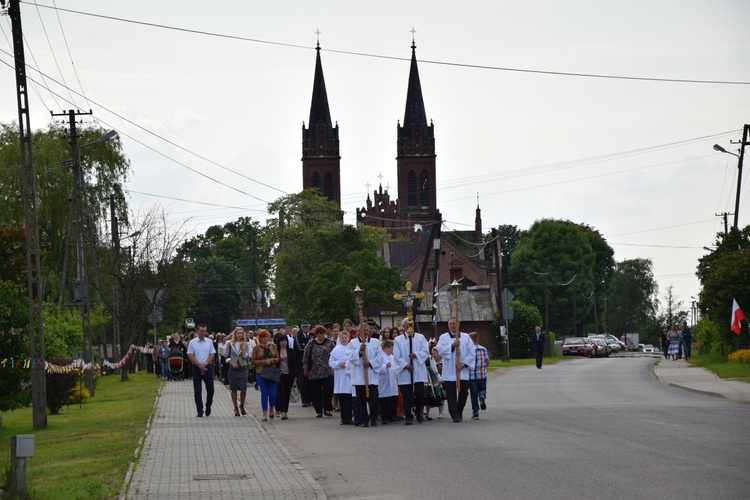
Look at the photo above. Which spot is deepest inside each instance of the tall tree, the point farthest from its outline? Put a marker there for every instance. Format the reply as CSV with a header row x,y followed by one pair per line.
x,y
724,276
559,251
632,301
105,169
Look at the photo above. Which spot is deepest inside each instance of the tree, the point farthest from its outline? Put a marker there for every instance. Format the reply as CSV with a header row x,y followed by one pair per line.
x,y
724,277
561,253
309,239
631,302
105,169
217,289
509,236
525,318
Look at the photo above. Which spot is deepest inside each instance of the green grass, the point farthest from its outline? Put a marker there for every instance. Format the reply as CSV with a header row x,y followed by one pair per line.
x,y
85,451
721,367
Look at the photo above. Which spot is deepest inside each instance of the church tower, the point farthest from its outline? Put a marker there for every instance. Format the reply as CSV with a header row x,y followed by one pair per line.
x,y
321,161
416,155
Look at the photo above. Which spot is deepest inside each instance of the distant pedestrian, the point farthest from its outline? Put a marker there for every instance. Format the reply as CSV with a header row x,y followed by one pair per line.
x,y
201,354
265,354
675,339
687,341
537,345
664,342
317,372
237,352
162,353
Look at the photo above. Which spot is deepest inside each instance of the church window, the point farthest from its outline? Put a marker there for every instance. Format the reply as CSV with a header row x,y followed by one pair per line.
x,y
424,190
328,186
315,180
411,189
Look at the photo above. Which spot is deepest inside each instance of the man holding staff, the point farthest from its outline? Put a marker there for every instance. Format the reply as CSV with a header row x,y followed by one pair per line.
x,y
456,369
411,352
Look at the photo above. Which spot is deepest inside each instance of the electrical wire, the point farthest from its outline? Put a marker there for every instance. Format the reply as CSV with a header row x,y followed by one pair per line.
x,y
394,58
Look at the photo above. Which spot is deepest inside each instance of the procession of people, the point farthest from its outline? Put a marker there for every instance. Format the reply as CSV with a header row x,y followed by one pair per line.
x,y
369,377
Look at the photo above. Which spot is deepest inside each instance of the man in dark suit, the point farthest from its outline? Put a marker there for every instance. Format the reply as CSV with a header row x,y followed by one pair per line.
x,y
303,336
537,344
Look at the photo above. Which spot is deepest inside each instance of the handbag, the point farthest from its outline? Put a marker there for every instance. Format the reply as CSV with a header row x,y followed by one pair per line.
x,y
270,372
294,394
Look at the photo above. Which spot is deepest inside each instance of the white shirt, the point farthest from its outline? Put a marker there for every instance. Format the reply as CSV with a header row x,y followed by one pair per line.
x,y
468,355
421,348
374,356
201,349
387,383
342,376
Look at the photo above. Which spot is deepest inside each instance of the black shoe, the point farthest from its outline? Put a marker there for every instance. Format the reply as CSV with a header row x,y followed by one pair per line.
x,y
327,413
475,416
409,421
364,424
208,411
373,423
319,415
420,420
456,420
200,414
384,423
482,404
428,418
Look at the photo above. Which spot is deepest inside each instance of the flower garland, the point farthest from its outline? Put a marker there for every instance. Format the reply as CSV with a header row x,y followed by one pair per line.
x,y
76,365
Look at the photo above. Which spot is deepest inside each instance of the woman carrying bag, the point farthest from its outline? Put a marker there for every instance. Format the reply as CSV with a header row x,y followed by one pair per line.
x,y
236,351
265,359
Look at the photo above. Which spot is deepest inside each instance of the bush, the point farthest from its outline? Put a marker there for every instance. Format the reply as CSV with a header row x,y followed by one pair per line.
x,y
15,388
79,394
59,386
741,356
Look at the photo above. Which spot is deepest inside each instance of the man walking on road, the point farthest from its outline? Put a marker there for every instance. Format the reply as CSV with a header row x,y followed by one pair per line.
x,y
537,344
201,354
687,341
449,344
410,352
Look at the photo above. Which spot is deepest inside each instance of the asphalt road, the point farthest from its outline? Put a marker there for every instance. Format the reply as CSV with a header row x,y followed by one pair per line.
x,y
582,428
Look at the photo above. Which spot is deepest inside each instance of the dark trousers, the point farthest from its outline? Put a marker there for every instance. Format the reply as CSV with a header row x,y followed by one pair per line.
x,y
363,402
321,391
478,387
456,402
539,356
345,406
200,377
283,390
413,399
388,408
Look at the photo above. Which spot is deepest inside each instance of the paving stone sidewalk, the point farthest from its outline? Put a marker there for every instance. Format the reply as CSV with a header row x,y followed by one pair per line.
x,y
680,373
222,456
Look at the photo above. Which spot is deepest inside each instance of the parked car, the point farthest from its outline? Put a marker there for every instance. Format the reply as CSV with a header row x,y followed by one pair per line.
x,y
603,350
613,344
590,348
649,348
573,346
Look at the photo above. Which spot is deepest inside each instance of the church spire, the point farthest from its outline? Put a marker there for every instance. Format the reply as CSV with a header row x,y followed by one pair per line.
x,y
415,113
319,111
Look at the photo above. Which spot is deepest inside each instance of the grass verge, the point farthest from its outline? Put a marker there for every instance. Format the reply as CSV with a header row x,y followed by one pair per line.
x,y
85,451
721,367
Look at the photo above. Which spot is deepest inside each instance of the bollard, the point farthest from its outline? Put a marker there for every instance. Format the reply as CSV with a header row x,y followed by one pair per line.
x,y
21,447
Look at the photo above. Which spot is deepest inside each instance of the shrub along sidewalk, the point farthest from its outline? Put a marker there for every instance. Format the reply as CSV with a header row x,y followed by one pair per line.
x,y
85,451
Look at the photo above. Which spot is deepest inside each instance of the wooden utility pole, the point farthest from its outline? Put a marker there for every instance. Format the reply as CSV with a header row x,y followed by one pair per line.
x,y
33,260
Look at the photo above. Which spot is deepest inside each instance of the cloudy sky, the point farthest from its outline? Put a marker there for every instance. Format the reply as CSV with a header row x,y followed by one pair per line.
x,y
528,117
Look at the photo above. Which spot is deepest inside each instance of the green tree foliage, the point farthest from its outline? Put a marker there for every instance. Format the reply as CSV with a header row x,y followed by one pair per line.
x,y
105,169
63,331
631,304
312,245
568,256
724,276
509,236
706,335
525,319
217,289
14,317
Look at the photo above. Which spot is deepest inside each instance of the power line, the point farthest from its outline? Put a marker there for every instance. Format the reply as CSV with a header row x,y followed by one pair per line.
x,y
394,58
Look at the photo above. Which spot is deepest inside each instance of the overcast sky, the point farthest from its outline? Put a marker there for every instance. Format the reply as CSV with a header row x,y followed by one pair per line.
x,y
520,141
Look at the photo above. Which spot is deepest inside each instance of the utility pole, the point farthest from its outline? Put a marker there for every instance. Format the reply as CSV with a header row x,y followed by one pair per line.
x,y
33,259
743,143
546,305
116,284
82,274
726,226
575,326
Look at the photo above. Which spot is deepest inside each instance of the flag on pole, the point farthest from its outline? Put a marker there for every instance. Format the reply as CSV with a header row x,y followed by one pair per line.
x,y
737,316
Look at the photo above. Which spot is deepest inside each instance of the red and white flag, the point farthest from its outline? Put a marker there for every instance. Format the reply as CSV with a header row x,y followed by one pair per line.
x,y
737,316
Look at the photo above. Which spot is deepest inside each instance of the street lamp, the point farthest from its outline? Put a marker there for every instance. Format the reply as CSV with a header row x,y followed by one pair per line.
x,y
743,143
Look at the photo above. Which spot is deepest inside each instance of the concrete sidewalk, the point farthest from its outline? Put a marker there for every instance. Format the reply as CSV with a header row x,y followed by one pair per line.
x,y
680,373
221,456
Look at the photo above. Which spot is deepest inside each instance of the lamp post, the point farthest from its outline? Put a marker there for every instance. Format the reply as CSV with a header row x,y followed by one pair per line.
x,y
741,156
